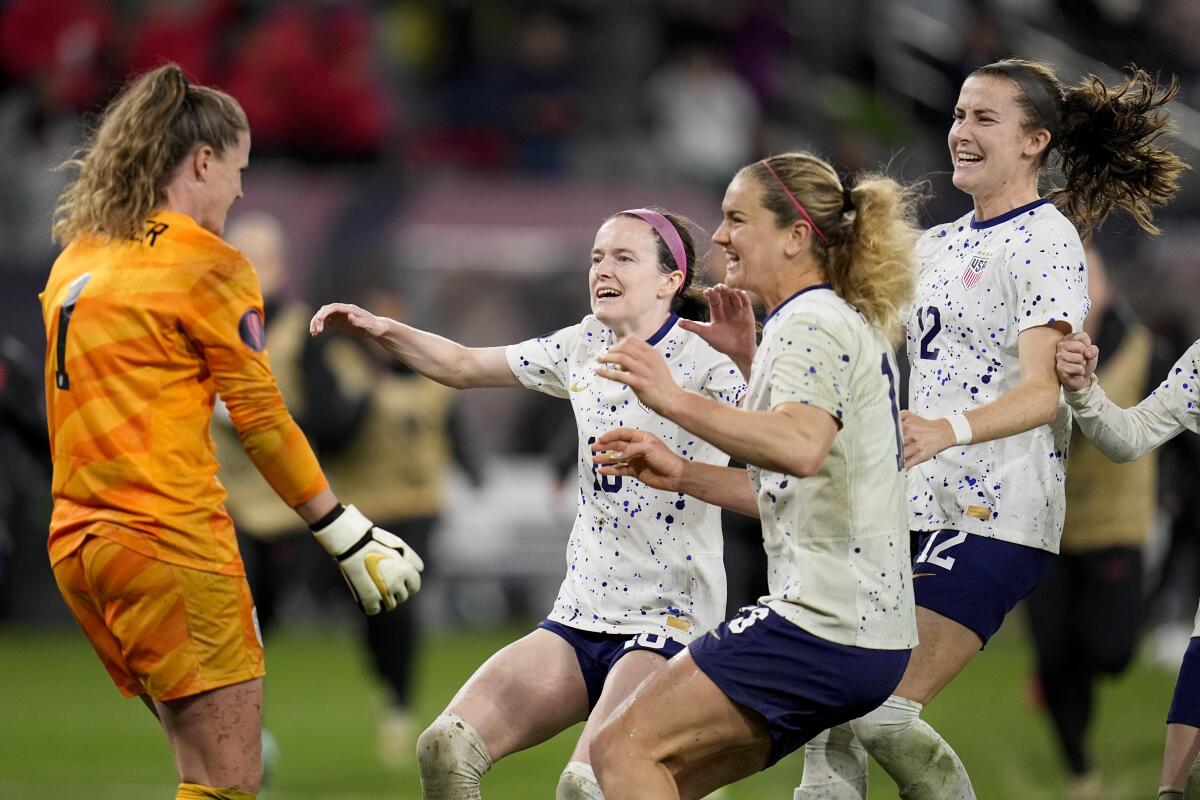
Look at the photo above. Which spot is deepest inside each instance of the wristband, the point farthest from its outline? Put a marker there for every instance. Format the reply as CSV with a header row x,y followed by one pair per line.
x,y
961,427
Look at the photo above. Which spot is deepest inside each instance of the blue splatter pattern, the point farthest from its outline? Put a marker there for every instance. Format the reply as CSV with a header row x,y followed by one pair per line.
x,y
639,560
980,285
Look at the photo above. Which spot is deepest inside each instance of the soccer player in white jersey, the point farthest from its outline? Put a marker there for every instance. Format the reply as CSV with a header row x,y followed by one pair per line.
x,y
820,433
986,435
645,572
1124,435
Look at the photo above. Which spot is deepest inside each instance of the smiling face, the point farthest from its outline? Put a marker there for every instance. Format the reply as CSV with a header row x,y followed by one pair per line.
x,y
222,182
753,243
629,291
995,159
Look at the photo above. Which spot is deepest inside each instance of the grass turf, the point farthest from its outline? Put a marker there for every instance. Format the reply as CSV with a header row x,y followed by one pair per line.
x,y
68,734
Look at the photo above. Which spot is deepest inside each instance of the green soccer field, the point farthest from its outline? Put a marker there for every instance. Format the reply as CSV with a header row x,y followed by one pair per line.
x,y
66,732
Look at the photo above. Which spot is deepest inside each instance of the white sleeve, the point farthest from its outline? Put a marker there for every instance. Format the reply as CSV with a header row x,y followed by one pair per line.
x,y
543,364
725,383
814,370
1051,278
1123,434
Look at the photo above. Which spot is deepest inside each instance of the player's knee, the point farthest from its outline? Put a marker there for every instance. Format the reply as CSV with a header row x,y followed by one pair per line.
x,y
578,782
884,730
608,749
450,751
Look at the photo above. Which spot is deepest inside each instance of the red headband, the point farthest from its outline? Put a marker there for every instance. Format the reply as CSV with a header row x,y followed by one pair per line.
x,y
795,202
667,231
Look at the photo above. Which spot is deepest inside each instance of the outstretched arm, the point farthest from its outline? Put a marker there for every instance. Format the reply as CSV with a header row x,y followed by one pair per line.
x,y
435,357
1122,434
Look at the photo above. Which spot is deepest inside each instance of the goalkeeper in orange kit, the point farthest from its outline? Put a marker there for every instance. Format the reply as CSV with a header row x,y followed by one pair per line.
x,y
149,315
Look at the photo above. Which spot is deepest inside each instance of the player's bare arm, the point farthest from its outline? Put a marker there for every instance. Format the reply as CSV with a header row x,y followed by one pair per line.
x,y
1032,403
792,437
436,357
637,454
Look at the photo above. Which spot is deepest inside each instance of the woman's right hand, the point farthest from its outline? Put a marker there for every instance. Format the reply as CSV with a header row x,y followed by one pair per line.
x,y
1075,361
731,329
637,454
348,318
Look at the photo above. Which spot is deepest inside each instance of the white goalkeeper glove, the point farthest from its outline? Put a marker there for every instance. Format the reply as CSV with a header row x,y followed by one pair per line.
x,y
381,570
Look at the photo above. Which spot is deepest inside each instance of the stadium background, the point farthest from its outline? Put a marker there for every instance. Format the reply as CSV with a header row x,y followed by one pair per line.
x,y
464,153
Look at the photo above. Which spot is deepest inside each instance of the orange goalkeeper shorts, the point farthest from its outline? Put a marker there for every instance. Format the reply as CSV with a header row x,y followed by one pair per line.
x,y
161,630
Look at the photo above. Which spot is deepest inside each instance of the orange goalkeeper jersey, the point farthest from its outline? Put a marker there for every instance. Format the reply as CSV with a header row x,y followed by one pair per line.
x,y
141,337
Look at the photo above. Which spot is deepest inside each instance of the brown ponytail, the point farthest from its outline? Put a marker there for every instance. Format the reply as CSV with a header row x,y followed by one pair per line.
x,y
1107,143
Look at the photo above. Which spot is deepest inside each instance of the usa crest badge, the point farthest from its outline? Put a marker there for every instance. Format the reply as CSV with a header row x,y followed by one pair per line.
x,y
974,271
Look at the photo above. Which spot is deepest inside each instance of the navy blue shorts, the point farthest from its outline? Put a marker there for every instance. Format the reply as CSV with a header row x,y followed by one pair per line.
x,y
974,580
798,683
1185,705
598,653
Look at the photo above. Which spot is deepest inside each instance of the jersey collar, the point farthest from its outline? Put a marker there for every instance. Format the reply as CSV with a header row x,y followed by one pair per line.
x,y
661,332
1006,216
779,307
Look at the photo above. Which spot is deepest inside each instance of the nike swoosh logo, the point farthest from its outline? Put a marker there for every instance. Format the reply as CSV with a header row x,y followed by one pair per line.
x,y
371,562
923,574
576,386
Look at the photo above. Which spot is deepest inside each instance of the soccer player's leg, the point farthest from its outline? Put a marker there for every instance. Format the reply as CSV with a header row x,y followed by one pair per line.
x,y
676,720
1183,729
918,759
637,659
215,737
835,767
526,693
185,639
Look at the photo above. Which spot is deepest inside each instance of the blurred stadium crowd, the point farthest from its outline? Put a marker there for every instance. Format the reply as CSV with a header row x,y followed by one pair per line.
x,y
457,155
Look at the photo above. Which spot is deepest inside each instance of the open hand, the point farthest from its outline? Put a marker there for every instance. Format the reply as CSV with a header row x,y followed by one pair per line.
x,y
731,327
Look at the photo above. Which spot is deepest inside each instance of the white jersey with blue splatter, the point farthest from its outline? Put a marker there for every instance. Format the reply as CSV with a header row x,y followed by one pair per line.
x,y
639,560
980,285
837,541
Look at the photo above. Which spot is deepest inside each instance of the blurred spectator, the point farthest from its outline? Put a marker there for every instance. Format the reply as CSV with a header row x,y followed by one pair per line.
x,y
705,118
387,434
25,467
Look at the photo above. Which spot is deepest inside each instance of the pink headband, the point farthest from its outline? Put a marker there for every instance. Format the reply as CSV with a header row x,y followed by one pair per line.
x,y
795,202
667,231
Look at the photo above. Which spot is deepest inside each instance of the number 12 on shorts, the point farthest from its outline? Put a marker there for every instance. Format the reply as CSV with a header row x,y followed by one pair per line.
x,y
936,554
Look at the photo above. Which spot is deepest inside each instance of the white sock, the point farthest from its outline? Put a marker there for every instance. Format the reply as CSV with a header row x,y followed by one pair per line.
x,y
835,767
1169,793
452,758
923,765
578,782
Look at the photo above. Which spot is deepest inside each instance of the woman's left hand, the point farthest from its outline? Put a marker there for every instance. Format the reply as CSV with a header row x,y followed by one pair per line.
x,y
924,438
638,365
